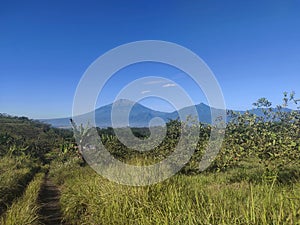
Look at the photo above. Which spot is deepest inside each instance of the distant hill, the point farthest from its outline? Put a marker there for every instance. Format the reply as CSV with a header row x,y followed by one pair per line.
x,y
140,115
21,136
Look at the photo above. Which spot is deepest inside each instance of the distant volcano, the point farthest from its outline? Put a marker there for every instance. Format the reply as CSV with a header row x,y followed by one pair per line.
x,y
140,115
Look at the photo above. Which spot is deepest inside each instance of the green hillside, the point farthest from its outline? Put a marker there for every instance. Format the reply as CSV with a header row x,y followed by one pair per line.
x,y
253,180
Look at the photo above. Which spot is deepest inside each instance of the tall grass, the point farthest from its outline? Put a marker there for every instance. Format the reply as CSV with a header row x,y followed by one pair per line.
x,y
25,209
202,199
15,174
12,185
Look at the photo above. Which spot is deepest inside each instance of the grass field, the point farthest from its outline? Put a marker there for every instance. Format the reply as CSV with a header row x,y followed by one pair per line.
x,y
235,197
25,210
255,179
14,178
241,195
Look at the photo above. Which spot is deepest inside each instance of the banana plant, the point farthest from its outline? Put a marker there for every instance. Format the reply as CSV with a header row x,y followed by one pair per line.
x,y
81,135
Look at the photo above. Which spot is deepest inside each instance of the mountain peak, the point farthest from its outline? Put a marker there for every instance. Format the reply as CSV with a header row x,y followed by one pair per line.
x,y
203,104
140,116
123,102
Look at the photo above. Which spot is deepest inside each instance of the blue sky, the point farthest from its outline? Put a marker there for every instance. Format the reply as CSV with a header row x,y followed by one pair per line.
x,y
253,48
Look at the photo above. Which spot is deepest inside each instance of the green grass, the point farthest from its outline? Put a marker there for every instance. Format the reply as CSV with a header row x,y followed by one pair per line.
x,y
12,185
15,174
255,179
24,210
210,198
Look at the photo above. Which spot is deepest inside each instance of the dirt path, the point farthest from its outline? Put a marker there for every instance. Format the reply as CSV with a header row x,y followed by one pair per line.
x,y
49,200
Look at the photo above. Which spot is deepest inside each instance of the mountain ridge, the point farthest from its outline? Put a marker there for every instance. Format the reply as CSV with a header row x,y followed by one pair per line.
x,y
140,115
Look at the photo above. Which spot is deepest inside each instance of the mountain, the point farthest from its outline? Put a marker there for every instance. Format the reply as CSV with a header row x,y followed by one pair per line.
x,y
140,115
203,111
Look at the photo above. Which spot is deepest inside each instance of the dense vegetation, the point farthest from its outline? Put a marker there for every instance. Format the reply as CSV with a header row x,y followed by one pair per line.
x,y
24,138
209,198
25,210
26,147
254,179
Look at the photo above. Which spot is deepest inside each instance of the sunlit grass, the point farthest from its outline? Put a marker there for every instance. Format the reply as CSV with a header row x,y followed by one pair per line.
x,y
15,174
24,210
87,198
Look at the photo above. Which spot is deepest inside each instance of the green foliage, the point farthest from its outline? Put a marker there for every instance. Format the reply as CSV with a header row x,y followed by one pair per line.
x,y
14,177
25,210
208,198
271,137
262,102
24,145
254,179
26,138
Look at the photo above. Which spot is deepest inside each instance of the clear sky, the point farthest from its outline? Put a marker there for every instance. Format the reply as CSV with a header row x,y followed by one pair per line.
x,y
253,48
